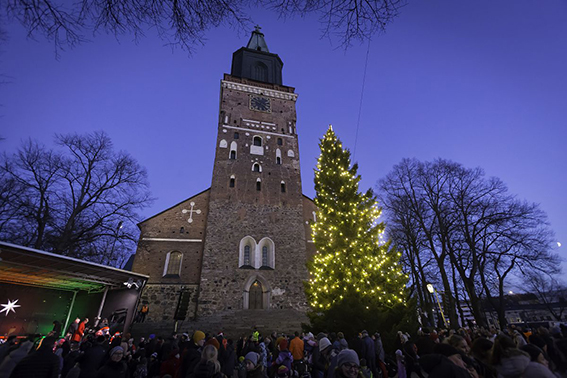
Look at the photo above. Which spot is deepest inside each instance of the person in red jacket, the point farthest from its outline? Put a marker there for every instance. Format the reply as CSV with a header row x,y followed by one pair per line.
x,y
78,336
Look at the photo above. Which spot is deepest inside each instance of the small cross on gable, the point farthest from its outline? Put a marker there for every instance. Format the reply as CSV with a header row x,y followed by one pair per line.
x,y
191,211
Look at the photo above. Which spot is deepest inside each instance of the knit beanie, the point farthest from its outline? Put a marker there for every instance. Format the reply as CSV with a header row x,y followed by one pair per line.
x,y
116,349
283,344
252,357
283,371
347,356
214,342
198,336
532,350
324,343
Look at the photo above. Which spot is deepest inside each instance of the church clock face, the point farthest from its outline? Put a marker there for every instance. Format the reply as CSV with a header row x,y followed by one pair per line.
x,y
260,103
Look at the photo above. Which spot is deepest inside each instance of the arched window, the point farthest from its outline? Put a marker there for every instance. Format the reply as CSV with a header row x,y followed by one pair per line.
x,y
232,182
266,247
256,167
247,254
257,140
283,187
223,144
258,185
172,267
278,156
265,255
233,150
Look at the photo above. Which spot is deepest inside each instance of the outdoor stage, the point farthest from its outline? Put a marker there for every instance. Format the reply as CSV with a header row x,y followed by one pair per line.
x,y
38,287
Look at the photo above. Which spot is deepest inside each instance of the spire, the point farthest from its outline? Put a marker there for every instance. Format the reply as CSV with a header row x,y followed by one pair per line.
x,y
257,41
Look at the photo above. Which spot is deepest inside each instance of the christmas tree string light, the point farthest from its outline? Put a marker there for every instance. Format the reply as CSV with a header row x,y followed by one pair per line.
x,y
351,260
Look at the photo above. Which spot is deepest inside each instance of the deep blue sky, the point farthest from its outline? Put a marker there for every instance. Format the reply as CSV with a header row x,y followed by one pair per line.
x,y
481,83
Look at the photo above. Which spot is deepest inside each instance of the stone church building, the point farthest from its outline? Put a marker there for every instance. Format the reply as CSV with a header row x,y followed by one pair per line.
x,y
234,256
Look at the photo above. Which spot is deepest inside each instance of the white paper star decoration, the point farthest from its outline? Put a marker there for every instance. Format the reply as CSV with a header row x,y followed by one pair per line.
x,y
10,307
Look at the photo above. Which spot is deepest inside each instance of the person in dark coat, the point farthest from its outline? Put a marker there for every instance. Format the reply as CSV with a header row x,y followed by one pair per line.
x,y
7,347
115,367
56,331
171,365
168,346
192,355
229,363
439,366
42,363
368,352
424,343
70,359
92,358
208,366
154,366
348,364
254,367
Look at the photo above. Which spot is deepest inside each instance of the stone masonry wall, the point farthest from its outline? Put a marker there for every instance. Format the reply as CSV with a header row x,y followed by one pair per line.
x,y
163,300
170,231
223,282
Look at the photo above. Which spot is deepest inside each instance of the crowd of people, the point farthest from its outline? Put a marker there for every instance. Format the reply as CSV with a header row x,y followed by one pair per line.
x,y
84,353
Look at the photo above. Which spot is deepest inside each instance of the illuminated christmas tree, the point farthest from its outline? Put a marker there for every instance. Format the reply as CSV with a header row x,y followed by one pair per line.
x,y
353,266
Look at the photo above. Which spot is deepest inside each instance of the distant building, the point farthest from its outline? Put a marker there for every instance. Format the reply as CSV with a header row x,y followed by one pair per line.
x,y
234,256
519,308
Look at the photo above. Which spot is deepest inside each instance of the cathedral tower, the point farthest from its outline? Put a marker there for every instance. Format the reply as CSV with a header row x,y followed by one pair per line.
x,y
255,249
237,252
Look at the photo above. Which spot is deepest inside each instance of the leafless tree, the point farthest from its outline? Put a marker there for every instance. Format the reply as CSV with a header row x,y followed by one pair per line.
x,y
185,22
549,290
80,200
477,233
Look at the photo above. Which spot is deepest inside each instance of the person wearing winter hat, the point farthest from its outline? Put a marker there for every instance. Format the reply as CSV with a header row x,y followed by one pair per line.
x,y
538,366
324,343
254,369
283,372
446,361
284,356
115,367
348,364
214,342
199,338
192,354
322,355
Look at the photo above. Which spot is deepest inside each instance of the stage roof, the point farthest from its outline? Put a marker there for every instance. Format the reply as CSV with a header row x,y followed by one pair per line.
x,y
26,266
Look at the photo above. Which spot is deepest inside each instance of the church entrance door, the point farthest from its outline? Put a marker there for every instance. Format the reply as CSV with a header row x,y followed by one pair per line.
x,y
255,296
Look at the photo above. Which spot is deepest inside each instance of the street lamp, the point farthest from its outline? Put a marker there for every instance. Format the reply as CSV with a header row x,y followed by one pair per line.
x,y
432,290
